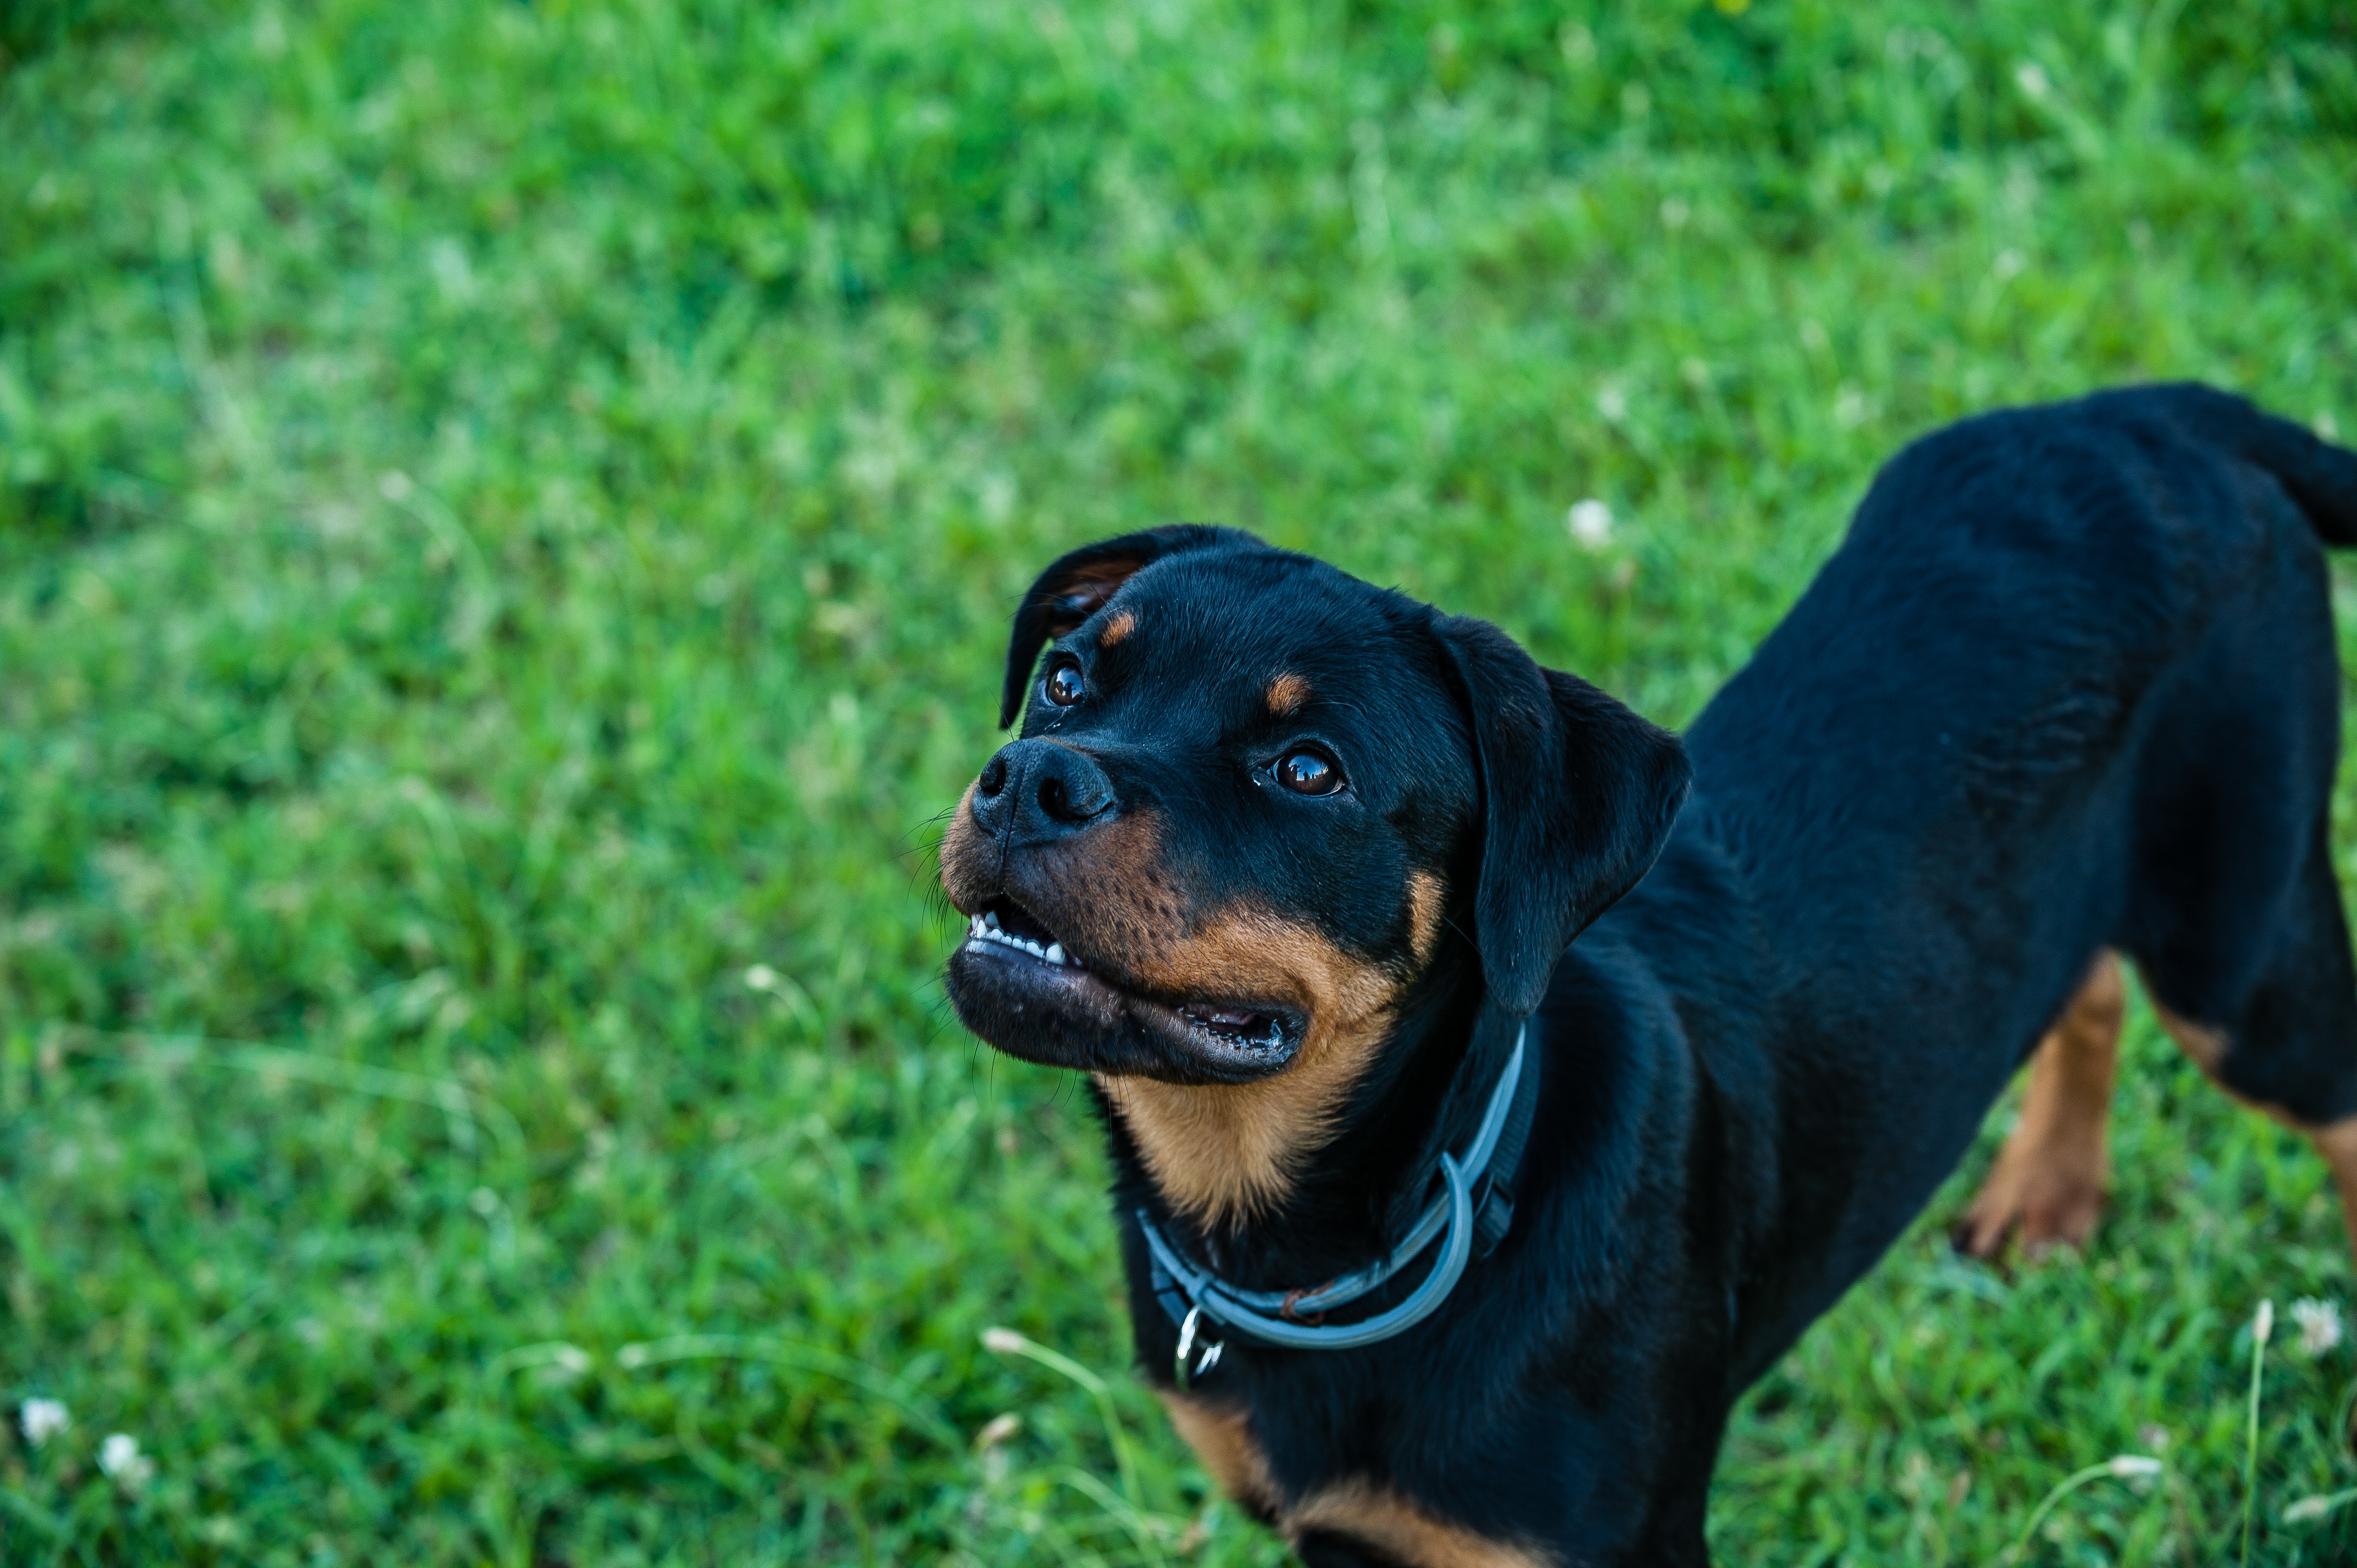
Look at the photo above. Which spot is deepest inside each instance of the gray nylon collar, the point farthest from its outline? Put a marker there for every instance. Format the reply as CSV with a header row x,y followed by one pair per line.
x,y
1273,1316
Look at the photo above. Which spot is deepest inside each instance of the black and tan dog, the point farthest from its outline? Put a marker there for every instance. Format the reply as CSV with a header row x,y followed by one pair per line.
x,y
1290,864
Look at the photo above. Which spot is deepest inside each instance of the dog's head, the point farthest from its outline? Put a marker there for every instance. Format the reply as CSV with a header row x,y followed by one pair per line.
x,y
1251,798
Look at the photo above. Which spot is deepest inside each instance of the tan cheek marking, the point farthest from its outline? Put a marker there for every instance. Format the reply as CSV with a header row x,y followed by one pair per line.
x,y
1392,1524
1220,1153
1426,892
1222,1439
964,854
1120,624
1285,695
1226,1151
1109,888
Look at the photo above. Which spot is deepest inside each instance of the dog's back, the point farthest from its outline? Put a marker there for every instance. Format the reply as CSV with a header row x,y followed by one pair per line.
x,y
2068,686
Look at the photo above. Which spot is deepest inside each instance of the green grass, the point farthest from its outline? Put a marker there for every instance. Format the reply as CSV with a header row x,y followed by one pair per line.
x,y
506,513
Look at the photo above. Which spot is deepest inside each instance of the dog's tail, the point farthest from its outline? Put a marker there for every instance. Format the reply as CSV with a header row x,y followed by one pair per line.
x,y
2321,478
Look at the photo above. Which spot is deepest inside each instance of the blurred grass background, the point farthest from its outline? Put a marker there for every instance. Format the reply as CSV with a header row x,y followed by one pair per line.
x,y
506,514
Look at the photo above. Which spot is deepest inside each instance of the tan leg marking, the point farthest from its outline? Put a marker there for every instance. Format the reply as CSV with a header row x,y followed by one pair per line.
x,y
2337,1142
2205,1045
2048,1183
1222,1437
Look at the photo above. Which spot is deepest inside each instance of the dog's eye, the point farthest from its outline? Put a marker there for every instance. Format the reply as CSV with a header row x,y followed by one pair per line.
x,y
1063,686
1308,773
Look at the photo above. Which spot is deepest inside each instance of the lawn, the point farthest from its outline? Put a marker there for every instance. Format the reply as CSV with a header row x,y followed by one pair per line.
x,y
507,514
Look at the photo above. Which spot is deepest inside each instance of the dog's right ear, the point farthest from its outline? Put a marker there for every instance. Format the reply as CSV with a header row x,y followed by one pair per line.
x,y
1578,796
1078,585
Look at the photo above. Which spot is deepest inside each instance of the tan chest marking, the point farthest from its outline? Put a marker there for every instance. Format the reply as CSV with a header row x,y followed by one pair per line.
x,y
1222,1439
1384,1519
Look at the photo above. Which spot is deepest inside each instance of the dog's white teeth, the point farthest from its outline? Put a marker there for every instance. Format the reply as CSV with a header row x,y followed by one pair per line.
x,y
990,917
984,928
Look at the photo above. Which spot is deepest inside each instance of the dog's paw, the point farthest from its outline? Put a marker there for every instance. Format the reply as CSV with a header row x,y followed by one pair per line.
x,y
2039,1197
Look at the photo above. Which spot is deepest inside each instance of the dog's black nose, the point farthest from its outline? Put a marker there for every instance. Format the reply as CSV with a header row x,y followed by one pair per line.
x,y
1040,791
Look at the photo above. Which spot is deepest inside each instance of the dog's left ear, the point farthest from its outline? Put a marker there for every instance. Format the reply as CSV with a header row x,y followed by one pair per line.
x,y
1577,796
1078,585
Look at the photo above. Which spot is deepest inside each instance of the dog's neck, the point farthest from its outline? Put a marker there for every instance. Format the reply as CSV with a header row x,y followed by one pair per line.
x,y
1279,1178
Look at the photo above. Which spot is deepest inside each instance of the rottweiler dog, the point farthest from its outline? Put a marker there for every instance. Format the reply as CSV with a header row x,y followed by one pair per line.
x,y
1451,1240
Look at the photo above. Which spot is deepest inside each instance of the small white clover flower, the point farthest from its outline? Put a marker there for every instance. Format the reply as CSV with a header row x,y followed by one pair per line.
x,y
566,1364
41,1420
1590,522
760,977
2319,1325
1612,402
119,1457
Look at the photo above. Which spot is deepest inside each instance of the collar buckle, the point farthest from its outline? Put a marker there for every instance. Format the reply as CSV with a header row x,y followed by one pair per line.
x,y
1180,1371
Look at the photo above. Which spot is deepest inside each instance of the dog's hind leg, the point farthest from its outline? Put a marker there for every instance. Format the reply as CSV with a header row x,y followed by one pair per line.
x,y
2048,1183
2290,1049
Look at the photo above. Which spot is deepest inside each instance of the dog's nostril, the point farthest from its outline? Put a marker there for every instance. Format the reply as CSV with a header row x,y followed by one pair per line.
x,y
993,777
1058,802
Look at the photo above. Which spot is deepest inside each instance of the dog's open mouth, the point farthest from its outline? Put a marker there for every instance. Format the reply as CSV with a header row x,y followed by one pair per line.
x,y
1234,1037
1006,924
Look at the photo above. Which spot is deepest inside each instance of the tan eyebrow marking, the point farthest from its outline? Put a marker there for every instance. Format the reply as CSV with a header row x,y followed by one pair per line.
x,y
1123,623
1286,694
